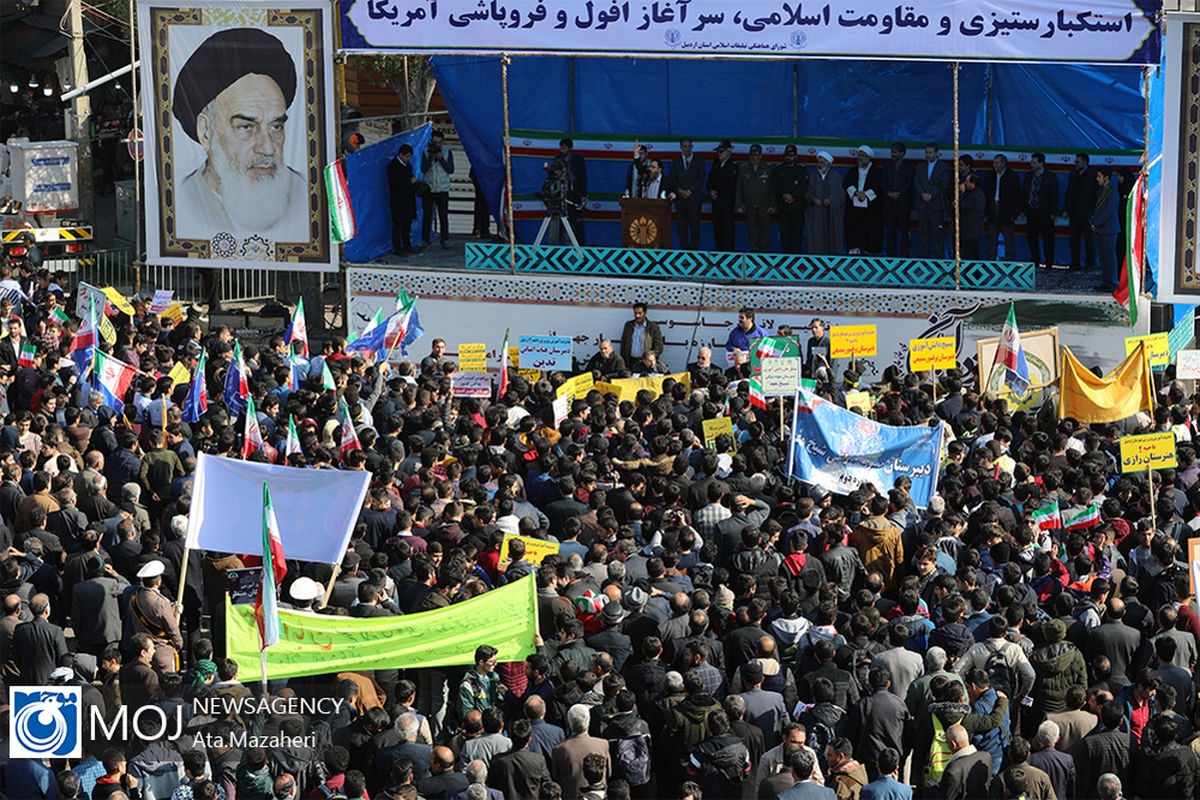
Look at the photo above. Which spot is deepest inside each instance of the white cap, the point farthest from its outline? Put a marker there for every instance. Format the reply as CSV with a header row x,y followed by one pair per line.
x,y
825,155
305,589
151,569
865,150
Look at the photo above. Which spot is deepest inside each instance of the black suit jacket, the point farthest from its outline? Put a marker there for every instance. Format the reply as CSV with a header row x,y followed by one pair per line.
x,y
8,355
518,773
691,178
578,169
938,186
1080,200
442,785
400,187
897,178
1046,201
37,646
1006,210
1119,642
967,777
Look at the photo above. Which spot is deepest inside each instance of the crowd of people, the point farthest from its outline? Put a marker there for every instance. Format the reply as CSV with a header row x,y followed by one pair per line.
x,y
708,627
871,209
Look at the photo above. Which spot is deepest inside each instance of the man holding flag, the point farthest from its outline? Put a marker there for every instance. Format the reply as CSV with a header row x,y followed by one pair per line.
x,y
274,569
1010,354
297,331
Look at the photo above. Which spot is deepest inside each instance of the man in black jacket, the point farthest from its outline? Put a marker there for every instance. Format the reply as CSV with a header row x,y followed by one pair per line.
x,y
1039,195
520,772
897,178
687,170
402,189
969,771
1078,205
722,186
38,644
1002,192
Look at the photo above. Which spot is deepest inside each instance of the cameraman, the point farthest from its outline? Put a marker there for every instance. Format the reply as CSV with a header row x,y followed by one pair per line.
x,y
437,165
554,194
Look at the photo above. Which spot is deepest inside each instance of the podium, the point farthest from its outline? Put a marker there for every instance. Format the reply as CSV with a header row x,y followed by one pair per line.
x,y
646,223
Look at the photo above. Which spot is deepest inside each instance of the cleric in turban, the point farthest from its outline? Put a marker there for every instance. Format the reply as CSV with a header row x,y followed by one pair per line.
x,y
232,97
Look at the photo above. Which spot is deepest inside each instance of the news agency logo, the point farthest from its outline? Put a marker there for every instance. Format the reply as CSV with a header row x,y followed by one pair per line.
x,y
46,722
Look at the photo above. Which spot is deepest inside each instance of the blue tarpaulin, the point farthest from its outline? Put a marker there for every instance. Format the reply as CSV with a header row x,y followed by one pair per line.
x,y
366,178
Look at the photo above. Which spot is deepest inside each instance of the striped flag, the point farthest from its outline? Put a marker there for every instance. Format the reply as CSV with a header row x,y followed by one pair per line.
x,y
349,435
197,396
400,329
292,445
1130,285
274,568
341,212
373,323
1084,519
1048,518
1010,354
83,346
237,384
60,315
756,395
111,378
327,381
503,368
297,330
252,441
28,354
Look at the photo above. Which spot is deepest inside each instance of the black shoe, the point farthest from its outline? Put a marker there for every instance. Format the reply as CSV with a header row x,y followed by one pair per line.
x,y
418,249
445,245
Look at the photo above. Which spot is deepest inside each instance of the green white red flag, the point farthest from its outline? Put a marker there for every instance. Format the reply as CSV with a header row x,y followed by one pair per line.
x,y
1130,285
341,212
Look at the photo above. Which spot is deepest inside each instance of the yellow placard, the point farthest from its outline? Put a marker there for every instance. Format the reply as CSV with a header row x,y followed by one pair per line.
x,y
118,300
1151,451
577,386
179,374
174,313
535,550
627,388
860,400
1158,347
532,375
472,357
936,353
852,341
107,331
714,428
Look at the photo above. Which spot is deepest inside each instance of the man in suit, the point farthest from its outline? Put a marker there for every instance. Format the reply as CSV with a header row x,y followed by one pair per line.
x,y
969,771
402,189
802,763
722,184
38,644
1116,640
565,507
1002,192
687,171
1059,766
896,178
638,335
443,780
1076,721
1105,223
96,607
10,345
520,773
657,185
931,183
1040,197
1078,205
567,756
789,185
577,194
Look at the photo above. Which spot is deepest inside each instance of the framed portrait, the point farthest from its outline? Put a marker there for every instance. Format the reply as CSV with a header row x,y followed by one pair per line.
x,y
1041,356
238,109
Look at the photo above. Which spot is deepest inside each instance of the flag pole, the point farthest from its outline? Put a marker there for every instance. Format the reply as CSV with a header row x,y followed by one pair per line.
x,y
262,667
337,569
182,581
1150,492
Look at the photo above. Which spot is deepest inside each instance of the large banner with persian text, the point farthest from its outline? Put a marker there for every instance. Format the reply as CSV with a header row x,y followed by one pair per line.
x,y
1108,31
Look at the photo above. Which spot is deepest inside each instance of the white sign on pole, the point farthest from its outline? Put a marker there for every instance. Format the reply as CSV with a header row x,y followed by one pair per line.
x,y
780,376
471,384
1187,364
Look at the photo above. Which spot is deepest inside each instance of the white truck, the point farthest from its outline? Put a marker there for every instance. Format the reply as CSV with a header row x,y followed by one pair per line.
x,y
39,193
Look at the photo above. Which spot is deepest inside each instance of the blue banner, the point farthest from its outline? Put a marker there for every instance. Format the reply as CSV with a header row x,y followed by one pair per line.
x,y
839,450
366,178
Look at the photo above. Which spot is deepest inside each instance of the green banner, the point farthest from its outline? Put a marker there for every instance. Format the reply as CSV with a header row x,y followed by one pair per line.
x,y
315,644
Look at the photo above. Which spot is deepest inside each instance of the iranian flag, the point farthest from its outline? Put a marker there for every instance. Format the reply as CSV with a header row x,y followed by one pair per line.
x,y
327,381
756,395
349,436
1085,519
297,330
274,568
60,316
252,441
1048,518
503,368
293,438
341,213
1130,285
111,378
28,352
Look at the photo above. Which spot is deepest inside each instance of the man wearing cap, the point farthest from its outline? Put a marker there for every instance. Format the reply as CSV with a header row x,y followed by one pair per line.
x,y
864,215
304,591
687,171
824,213
789,185
754,194
897,180
232,98
150,613
722,188
610,639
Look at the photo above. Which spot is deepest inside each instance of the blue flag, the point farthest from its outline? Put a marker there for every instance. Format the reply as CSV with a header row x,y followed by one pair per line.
x,y
839,450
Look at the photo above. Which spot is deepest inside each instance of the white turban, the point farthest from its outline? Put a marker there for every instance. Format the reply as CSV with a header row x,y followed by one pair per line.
x,y
865,150
825,155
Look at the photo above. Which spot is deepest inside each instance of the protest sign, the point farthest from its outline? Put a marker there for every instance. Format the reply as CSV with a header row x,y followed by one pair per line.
x,y
316,508
1158,347
470,384
860,400
314,644
1187,364
780,376
839,451
161,301
715,427
627,388
545,352
771,347
852,341
935,353
1150,451
472,357
174,313
179,374
535,550
118,300
84,294
577,386
527,374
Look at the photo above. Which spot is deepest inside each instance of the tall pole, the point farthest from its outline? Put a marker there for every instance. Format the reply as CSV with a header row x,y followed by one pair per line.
x,y
508,193
137,165
83,111
957,193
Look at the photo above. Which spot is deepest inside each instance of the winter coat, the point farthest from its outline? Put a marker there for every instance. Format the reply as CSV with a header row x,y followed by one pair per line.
x,y
847,780
688,725
1058,665
721,765
878,542
950,714
1169,771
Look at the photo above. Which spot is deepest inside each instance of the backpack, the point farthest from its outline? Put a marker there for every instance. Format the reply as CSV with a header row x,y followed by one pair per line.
x,y
860,668
939,754
329,793
1000,672
632,753
820,736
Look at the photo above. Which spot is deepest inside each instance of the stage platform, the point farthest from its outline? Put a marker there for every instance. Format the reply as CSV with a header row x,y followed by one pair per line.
x,y
751,268
470,295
